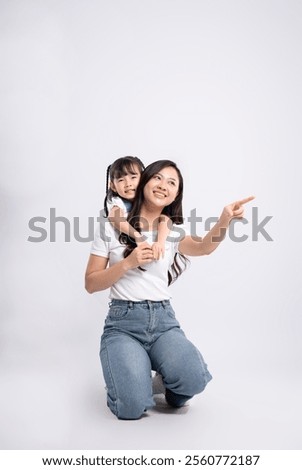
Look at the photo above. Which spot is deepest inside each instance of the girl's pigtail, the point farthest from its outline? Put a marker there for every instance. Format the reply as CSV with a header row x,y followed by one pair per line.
x,y
107,189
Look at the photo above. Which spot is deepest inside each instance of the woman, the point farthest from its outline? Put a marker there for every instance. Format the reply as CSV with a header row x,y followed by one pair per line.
x,y
141,332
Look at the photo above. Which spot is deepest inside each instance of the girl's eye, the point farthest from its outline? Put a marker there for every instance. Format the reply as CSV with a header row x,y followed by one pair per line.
x,y
134,177
172,182
120,180
157,177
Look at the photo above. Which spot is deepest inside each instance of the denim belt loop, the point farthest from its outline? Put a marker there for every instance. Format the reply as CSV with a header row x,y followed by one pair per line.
x,y
130,304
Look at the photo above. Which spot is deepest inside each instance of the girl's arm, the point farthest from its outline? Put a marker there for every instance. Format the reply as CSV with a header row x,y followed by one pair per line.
x,y
98,277
164,226
117,218
198,246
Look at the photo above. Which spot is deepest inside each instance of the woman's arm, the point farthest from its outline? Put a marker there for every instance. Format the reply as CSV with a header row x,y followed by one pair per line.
x,y
98,277
198,246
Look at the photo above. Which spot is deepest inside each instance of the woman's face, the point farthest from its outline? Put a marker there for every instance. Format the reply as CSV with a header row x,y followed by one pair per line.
x,y
162,189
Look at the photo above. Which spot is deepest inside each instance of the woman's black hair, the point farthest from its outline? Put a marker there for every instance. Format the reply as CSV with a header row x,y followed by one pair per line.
x,y
173,211
118,169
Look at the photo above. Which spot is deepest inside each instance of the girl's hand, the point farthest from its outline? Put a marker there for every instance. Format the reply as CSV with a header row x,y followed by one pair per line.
x,y
142,244
158,250
235,210
139,257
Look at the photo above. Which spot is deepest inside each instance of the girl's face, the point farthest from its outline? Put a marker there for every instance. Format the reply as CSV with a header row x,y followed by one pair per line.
x,y
126,185
162,189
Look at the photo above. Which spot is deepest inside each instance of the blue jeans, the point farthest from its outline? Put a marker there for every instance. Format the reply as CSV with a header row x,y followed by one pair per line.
x,y
140,337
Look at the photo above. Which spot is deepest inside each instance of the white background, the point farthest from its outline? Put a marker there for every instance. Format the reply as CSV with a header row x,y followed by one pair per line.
x,y
213,85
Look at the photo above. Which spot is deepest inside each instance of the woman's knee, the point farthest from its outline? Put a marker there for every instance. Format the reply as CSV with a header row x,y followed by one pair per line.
x,y
199,376
130,408
201,379
188,379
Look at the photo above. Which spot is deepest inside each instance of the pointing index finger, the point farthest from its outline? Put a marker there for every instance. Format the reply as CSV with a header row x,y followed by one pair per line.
x,y
247,199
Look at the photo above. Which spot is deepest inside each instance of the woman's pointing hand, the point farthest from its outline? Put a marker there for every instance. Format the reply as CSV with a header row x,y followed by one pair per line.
x,y
235,209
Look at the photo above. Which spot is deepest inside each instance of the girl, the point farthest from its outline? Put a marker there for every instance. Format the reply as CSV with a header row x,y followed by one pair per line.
x,y
141,331
122,179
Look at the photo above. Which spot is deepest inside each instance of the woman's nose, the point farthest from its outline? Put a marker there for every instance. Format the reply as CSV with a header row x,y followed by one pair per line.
x,y
162,185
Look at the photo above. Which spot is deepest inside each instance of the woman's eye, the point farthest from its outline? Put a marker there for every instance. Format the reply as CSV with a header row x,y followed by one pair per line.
x,y
157,177
172,182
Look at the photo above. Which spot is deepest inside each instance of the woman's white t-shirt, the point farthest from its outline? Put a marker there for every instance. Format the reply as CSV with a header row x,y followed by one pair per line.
x,y
135,284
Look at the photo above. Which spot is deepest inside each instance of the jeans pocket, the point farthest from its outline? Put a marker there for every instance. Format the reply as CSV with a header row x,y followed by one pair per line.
x,y
117,312
170,311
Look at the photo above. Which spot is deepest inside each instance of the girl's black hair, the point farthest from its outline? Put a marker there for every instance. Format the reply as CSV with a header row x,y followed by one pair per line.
x,y
173,211
119,168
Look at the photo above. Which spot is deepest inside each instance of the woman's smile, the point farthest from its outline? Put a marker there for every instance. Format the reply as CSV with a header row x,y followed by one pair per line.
x,y
159,194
